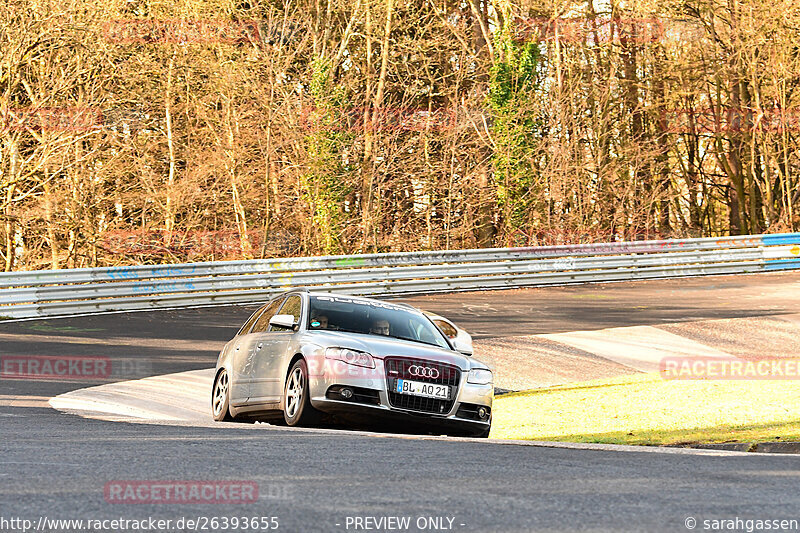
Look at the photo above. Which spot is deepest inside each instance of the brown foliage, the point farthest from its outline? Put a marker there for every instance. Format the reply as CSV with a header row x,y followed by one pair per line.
x,y
141,132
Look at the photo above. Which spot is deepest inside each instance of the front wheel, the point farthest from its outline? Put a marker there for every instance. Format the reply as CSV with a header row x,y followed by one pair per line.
x,y
220,398
297,408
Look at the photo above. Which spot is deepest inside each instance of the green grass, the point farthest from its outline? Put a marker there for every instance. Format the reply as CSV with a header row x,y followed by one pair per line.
x,y
645,409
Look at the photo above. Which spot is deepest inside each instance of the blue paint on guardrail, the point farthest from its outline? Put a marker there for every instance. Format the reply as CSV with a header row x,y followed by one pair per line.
x,y
120,272
134,272
782,264
781,238
162,287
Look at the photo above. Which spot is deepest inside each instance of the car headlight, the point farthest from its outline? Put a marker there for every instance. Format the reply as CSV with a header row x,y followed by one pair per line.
x,y
479,376
351,357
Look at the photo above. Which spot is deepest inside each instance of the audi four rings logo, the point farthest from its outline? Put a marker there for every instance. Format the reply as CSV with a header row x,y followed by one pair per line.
x,y
423,371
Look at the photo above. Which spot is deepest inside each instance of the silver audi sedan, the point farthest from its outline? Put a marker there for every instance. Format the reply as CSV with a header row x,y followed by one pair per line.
x,y
308,354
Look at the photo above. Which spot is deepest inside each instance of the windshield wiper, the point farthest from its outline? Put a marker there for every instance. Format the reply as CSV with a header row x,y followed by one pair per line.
x,y
412,340
343,330
340,330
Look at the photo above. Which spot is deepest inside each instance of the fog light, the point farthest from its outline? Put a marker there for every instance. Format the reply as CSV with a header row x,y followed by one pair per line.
x,y
346,393
481,413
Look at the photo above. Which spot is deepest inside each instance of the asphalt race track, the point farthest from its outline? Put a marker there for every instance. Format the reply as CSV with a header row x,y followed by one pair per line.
x,y
57,465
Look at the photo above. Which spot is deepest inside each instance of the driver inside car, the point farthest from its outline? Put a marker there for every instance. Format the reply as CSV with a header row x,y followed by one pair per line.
x,y
380,327
319,322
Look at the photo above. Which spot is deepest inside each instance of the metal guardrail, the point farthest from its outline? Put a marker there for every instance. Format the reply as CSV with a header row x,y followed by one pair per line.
x,y
49,293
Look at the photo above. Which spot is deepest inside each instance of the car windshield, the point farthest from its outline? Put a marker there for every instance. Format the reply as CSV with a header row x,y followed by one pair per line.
x,y
372,317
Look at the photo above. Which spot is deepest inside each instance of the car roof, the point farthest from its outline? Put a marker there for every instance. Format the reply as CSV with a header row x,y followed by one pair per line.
x,y
353,297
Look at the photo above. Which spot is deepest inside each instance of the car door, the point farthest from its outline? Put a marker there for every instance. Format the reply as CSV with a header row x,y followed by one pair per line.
x,y
244,352
270,350
240,378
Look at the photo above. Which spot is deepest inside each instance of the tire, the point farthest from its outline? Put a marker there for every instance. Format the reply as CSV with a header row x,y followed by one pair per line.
x,y
221,398
484,434
297,408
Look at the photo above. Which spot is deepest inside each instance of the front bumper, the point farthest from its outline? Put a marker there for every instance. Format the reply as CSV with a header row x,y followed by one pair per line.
x,y
371,399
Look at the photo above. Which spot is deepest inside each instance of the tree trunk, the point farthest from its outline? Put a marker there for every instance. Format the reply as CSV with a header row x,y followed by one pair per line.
x,y
370,206
51,231
9,230
169,217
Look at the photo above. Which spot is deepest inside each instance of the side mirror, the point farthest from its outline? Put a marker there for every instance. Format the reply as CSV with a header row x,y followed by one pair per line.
x,y
282,321
463,346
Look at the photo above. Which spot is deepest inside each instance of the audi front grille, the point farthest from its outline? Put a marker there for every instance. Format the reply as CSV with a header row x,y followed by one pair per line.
x,y
399,368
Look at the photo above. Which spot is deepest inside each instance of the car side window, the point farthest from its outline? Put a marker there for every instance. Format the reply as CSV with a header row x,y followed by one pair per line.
x,y
263,321
292,306
250,321
448,330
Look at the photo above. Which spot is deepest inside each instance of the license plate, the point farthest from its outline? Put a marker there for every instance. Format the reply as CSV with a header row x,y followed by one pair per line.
x,y
418,388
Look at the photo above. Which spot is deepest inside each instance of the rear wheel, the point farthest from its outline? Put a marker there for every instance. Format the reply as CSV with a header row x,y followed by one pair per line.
x,y
220,398
297,408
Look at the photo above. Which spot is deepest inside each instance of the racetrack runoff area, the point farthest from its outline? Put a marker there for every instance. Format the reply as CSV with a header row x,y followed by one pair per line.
x,y
57,464
596,384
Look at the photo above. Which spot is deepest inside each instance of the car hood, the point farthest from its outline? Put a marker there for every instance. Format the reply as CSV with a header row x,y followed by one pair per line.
x,y
381,347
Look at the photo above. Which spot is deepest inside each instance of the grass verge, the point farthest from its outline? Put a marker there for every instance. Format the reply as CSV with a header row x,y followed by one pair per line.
x,y
645,409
